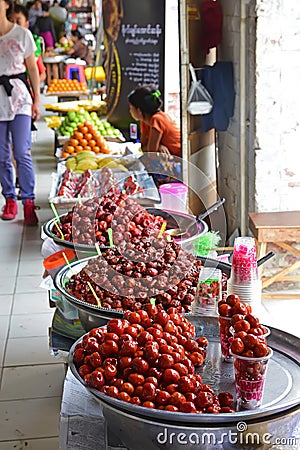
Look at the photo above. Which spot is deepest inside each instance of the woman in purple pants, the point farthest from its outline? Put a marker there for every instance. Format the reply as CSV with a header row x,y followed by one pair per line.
x,y
17,108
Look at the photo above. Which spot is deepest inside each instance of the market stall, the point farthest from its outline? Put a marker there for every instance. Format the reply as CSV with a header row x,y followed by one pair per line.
x,y
157,346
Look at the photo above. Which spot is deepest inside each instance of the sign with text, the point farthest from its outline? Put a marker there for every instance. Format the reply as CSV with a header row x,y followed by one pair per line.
x,y
134,40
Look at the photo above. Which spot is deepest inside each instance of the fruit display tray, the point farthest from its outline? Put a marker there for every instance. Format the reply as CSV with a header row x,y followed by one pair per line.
x,y
281,393
68,93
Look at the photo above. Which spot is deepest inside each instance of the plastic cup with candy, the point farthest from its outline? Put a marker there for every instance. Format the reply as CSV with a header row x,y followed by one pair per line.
x,y
251,355
244,263
250,375
248,324
226,309
225,337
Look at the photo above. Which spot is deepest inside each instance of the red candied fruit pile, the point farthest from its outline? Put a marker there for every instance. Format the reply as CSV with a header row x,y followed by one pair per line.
x,y
126,285
232,305
148,359
248,339
88,223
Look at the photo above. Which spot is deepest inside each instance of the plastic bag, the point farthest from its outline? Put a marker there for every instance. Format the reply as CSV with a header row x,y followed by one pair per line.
x,y
199,100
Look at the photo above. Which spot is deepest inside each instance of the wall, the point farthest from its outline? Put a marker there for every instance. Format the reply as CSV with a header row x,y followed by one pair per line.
x,y
277,153
272,102
272,112
229,141
277,184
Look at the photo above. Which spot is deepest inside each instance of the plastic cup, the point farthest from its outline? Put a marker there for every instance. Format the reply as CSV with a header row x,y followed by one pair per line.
x,y
244,263
250,294
174,196
250,376
209,291
225,337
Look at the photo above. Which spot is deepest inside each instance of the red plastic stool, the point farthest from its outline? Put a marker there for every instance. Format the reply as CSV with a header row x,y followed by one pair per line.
x,y
75,72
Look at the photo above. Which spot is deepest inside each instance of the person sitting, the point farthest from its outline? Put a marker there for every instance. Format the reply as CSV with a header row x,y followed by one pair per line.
x,y
44,27
80,49
159,133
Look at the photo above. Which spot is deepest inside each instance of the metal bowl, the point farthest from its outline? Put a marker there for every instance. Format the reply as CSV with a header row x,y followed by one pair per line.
x,y
90,316
140,427
190,227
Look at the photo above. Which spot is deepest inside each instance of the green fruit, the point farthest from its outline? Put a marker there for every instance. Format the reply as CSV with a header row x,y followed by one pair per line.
x,y
71,115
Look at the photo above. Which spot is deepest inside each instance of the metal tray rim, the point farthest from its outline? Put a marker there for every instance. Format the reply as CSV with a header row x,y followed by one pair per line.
x,y
172,417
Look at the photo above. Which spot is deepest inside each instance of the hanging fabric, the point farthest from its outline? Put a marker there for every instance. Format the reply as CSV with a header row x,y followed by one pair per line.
x,y
211,15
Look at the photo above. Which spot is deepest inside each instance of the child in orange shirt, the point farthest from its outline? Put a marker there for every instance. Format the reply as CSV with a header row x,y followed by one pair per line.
x,y
159,133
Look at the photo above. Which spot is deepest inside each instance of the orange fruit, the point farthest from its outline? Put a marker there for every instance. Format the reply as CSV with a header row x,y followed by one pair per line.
x,y
105,149
92,143
73,141
78,149
65,155
84,142
69,149
84,130
88,136
77,135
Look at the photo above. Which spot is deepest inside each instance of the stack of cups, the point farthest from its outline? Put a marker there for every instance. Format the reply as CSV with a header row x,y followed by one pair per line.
x,y
244,280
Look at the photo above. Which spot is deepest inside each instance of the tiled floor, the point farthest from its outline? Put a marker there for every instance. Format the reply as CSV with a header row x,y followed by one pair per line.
x,y
31,378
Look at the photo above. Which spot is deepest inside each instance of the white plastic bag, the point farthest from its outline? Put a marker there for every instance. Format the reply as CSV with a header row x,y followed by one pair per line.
x,y
199,100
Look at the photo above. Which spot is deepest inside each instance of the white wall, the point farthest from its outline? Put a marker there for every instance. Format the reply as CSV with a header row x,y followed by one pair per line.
x,y
278,106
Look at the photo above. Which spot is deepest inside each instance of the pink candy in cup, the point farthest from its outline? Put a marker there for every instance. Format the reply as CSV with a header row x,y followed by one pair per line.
x,y
244,263
250,376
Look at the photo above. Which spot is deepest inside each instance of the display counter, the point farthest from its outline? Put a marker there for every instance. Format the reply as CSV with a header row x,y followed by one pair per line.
x,y
54,67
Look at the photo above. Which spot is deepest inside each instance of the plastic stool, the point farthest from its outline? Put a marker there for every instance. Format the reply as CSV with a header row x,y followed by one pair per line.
x,y
75,72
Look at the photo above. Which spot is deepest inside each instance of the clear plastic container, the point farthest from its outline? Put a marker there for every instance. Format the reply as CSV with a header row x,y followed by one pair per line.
x,y
209,292
174,196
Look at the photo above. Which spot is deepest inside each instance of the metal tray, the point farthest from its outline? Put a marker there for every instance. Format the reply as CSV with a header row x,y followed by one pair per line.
x,y
85,308
90,316
48,230
186,222
282,386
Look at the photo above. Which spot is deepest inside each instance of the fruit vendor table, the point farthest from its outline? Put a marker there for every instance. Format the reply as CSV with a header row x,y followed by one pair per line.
x,y
54,67
94,104
72,95
281,229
